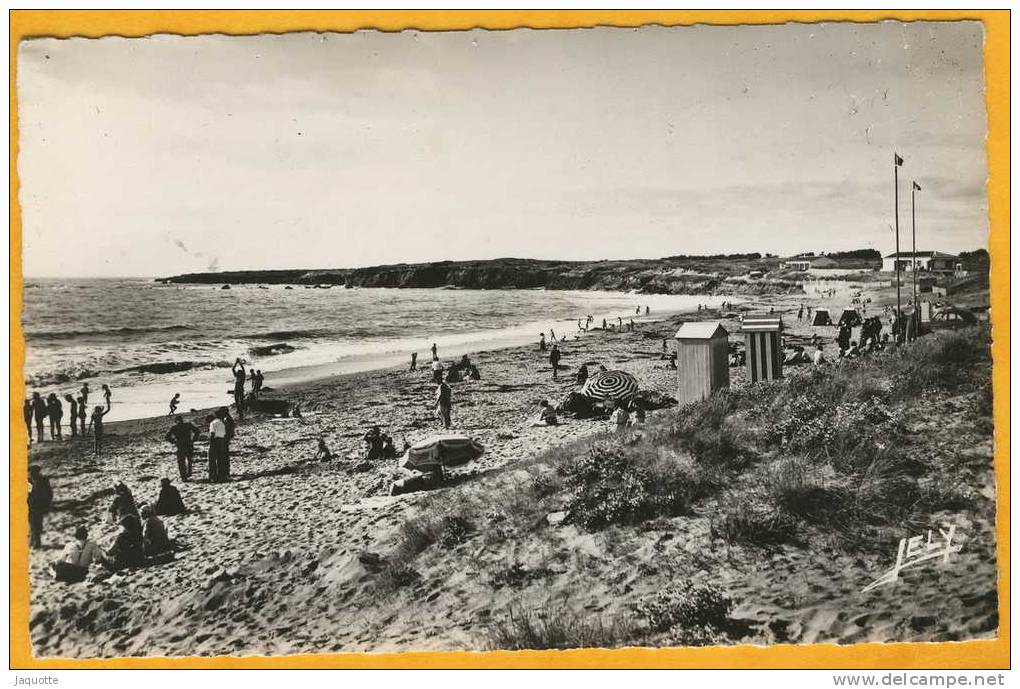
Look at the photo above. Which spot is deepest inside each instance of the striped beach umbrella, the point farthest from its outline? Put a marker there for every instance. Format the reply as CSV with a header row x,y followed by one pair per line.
x,y
611,385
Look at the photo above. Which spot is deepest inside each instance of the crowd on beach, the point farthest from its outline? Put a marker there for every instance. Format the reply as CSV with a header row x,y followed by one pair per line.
x,y
142,537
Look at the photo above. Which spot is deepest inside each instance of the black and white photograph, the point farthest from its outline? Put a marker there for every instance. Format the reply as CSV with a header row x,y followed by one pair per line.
x,y
478,340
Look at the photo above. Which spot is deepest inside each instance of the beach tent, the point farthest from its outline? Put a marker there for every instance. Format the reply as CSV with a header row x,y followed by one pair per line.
x,y
447,450
611,385
821,317
850,317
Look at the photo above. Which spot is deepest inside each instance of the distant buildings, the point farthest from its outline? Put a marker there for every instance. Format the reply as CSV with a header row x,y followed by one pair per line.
x,y
805,263
926,261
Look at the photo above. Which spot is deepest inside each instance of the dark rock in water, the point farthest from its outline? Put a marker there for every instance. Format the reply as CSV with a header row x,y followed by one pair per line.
x,y
371,561
225,287
271,350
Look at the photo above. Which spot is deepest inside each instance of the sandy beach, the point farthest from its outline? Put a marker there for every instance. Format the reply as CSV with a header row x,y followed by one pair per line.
x,y
275,560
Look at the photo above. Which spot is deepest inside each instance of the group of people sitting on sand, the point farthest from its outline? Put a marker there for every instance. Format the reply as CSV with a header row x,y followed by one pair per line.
x,y
49,411
142,537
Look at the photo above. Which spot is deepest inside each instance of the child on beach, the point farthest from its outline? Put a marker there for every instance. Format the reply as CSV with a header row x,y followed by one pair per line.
x,y
174,401
620,417
107,394
323,454
82,413
547,417
96,423
414,361
554,359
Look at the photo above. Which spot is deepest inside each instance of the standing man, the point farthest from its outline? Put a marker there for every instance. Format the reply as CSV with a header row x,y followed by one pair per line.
x,y
444,402
74,414
85,394
217,446
437,371
56,412
26,411
541,342
239,375
183,436
40,500
41,412
435,356
414,361
554,359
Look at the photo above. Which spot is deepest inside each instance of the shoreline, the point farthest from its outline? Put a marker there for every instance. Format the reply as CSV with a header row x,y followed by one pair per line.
x,y
205,387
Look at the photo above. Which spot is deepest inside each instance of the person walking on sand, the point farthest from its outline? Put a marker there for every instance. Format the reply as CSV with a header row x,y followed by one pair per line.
x,y
73,414
107,394
174,401
55,410
435,355
647,310
41,412
40,500
85,393
82,413
183,435
224,459
541,342
637,311
552,335
800,313
239,376
554,359
604,326
96,424
414,361
26,411
444,402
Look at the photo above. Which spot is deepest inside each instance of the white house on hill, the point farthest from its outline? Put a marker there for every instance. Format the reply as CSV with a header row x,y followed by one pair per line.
x,y
927,261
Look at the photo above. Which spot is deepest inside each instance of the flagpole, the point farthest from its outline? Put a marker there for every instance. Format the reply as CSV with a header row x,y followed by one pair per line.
x,y
896,202
913,233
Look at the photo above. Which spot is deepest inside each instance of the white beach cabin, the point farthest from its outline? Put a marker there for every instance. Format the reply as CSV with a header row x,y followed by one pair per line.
x,y
702,360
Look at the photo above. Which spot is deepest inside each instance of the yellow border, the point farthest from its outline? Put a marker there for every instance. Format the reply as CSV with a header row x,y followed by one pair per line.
x,y
973,654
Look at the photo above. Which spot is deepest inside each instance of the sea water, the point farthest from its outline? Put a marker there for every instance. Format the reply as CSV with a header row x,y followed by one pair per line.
x,y
149,340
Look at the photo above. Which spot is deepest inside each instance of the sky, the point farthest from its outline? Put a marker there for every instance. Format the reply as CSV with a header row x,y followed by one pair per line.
x,y
168,154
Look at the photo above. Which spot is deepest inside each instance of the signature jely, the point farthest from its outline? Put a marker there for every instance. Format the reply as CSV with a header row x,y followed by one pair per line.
x,y
914,551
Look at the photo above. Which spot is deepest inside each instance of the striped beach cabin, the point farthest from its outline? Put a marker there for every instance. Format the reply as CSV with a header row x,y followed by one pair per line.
x,y
763,339
702,360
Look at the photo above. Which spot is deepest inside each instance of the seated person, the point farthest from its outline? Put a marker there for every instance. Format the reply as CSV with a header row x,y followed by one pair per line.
x,y
123,503
413,481
155,539
374,443
473,373
169,501
639,417
77,557
582,374
127,550
464,364
323,454
453,375
547,417
388,449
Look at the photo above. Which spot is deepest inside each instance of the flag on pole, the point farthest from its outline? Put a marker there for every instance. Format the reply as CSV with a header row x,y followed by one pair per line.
x,y
917,187
897,159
